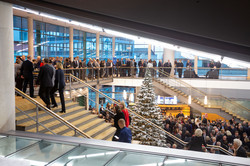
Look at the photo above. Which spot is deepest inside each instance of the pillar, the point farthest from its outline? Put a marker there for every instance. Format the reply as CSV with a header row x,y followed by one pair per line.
x,y
113,47
30,38
97,45
71,42
113,92
97,98
196,64
169,55
7,91
248,74
149,51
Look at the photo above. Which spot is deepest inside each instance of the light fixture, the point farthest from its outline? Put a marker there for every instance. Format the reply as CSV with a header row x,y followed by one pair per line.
x,y
131,97
205,100
175,100
189,99
124,94
158,99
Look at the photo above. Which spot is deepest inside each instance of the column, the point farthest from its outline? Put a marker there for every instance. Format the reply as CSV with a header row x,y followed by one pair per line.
x,y
169,55
149,51
196,64
7,83
248,74
30,37
113,92
113,47
71,42
97,45
97,98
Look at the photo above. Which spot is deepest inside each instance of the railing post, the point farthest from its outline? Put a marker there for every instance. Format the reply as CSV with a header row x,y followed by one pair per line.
x,y
37,124
70,86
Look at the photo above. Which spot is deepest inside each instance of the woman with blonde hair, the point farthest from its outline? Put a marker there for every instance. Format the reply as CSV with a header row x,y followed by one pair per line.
x,y
196,141
125,112
59,85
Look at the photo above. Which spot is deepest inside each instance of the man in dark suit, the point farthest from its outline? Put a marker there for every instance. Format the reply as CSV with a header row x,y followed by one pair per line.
x,y
27,74
179,68
160,65
45,77
84,66
168,67
76,67
118,65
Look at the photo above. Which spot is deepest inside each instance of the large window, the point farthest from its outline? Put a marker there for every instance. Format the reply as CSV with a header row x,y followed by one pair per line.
x,y
157,53
124,48
105,48
20,26
90,50
78,47
50,40
140,52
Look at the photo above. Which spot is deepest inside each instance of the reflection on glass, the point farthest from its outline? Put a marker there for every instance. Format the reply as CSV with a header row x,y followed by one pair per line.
x,y
43,152
127,158
85,156
181,162
10,144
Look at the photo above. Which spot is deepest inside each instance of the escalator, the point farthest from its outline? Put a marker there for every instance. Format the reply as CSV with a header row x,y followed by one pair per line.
x,y
22,148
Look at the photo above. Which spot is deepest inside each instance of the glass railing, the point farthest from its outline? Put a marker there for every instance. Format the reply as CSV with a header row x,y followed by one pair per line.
x,y
183,87
40,150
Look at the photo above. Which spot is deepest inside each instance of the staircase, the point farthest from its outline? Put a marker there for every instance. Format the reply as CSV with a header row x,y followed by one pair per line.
x,y
89,123
197,102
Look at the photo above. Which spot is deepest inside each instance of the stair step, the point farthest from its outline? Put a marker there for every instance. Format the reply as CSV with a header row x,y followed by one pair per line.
x,y
47,117
98,128
57,122
105,133
23,118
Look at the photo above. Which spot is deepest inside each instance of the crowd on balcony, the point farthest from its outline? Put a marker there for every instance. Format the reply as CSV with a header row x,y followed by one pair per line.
x,y
95,68
219,132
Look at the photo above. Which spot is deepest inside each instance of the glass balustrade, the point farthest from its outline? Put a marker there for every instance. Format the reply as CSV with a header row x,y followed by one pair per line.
x,y
97,153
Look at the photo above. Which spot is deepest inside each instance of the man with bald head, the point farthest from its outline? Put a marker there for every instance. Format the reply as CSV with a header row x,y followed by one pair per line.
x,y
27,74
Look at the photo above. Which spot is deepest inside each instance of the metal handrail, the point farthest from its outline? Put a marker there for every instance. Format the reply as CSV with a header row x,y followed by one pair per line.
x,y
35,120
54,115
201,92
169,134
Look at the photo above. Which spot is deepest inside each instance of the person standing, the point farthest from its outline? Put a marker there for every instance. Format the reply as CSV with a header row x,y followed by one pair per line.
x,y
118,115
160,69
18,79
59,85
76,67
125,133
168,67
45,77
197,141
125,112
179,68
27,74
238,148
84,66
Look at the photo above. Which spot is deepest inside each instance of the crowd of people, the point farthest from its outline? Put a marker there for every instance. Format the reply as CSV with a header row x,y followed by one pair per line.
x,y
96,68
231,136
50,79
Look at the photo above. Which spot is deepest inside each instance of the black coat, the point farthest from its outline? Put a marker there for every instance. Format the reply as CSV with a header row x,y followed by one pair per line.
x,y
116,118
196,143
59,79
241,152
27,69
45,76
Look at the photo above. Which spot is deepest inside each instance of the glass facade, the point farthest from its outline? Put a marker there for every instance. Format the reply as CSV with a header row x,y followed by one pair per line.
x,y
20,34
50,40
140,52
157,53
90,50
105,52
124,48
79,44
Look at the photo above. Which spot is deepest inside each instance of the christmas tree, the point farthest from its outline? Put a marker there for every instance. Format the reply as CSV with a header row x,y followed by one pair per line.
x,y
146,106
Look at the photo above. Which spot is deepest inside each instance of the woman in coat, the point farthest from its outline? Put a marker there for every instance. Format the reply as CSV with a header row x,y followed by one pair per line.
x,y
118,115
59,85
196,141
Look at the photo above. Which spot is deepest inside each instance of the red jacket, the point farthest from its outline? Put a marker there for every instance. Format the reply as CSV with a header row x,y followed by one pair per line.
x,y
126,114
